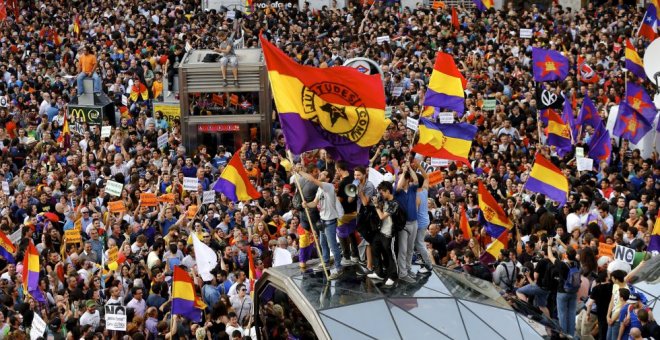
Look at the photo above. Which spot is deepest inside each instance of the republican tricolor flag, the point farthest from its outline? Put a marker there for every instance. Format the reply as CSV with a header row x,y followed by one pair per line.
x,y
446,85
234,182
634,63
654,243
484,5
31,270
548,179
185,301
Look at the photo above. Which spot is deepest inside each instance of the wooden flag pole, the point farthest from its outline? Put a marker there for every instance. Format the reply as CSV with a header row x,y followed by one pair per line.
x,y
309,218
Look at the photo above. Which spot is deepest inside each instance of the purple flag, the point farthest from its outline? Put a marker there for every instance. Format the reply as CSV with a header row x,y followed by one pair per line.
x,y
588,114
568,117
549,65
600,147
630,124
640,101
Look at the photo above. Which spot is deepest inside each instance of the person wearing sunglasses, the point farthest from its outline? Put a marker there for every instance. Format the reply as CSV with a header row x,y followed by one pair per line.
x,y
241,303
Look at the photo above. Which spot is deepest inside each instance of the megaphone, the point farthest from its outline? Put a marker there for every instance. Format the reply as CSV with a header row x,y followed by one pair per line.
x,y
351,189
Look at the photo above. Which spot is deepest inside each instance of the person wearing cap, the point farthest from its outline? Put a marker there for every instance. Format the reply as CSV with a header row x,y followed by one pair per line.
x,y
91,316
628,317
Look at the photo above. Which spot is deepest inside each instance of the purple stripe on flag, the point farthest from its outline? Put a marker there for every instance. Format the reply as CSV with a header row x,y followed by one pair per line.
x,y
635,69
562,144
553,193
444,101
304,135
186,308
654,243
226,187
493,230
346,228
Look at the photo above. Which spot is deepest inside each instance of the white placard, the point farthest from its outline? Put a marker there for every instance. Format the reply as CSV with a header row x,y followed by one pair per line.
x,y
381,40
162,140
375,177
190,183
5,187
208,197
113,188
446,117
526,33
397,91
624,254
579,152
105,131
38,327
585,164
439,162
16,236
412,123
115,318
124,100
231,15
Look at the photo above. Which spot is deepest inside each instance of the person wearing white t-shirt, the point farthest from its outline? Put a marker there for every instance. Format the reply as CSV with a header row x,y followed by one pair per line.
x,y
91,316
233,325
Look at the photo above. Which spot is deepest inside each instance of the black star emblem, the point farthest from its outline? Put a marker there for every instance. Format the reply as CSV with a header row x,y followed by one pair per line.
x,y
334,112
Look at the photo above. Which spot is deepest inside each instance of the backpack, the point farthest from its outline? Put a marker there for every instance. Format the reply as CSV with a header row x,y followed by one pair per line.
x,y
573,280
398,219
481,271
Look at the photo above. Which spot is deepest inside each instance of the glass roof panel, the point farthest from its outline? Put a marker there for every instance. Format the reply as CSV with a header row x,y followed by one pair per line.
x,y
528,332
500,320
411,327
340,331
467,287
441,314
371,318
476,327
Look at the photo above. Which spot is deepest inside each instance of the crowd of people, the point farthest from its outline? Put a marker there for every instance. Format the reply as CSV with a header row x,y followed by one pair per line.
x,y
57,183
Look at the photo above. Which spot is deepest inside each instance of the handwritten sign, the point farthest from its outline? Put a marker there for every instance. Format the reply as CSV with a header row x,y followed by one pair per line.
x,y
72,236
190,183
526,33
148,199
115,317
113,188
38,327
191,212
16,236
446,117
382,39
105,131
5,187
585,164
166,198
117,207
605,249
397,91
412,123
208,197
162,140
435,178
489,105
579,152
113,254
439,162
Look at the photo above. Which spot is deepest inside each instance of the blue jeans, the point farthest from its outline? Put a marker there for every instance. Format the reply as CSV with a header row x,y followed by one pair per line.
x,y
613,330
328,238
95,78
566,308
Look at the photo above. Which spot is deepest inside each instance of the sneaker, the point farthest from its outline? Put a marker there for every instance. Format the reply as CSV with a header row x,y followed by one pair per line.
x,y
375,276
355,260
423,270
335,275
346,262
236,83
225,83
319,267
407,279
389,283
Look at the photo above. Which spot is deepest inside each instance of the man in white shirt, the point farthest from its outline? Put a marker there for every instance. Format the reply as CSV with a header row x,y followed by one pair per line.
x,y
138,304
45,104
91,316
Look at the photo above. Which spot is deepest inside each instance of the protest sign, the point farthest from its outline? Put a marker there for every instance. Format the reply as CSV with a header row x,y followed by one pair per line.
x,y
113,188
148,199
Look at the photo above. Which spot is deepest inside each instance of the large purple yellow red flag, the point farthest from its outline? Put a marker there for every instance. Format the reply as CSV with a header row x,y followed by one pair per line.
x,y
630,124
634,63
337,109
484,5
7,248
234,182
654,243
185,301
649,25
640,101
548,179
31,273
446,85
549,65
559,134
446,141
492,216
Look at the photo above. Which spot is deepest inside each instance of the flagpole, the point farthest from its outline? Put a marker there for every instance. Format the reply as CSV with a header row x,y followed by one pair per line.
x,y
309,218
538,116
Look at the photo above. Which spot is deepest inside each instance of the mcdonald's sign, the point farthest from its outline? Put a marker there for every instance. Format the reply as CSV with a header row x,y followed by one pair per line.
x,y
92,115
